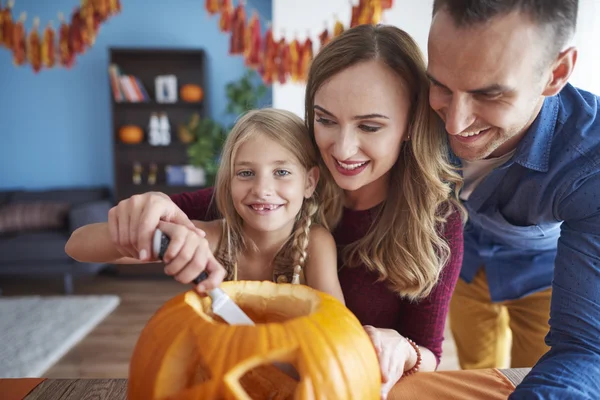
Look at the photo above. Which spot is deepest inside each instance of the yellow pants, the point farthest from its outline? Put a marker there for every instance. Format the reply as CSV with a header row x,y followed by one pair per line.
x,y
483,331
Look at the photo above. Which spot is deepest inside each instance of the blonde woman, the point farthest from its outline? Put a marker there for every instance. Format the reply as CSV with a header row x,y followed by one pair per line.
x,y
389,195
394,203
272,225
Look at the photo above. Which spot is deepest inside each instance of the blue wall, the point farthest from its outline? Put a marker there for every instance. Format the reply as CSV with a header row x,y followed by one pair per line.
x,y
55,127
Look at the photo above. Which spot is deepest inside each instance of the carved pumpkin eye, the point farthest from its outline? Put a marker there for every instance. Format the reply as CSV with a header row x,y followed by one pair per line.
x,y
305,345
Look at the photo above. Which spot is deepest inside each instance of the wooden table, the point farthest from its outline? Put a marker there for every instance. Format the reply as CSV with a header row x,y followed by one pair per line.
x,y
411,387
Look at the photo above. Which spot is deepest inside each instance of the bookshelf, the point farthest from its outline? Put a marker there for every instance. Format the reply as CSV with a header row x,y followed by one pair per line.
x,y
140,67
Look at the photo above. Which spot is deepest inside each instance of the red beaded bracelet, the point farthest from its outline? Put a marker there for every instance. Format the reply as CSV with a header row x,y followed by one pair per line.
x,y
415,368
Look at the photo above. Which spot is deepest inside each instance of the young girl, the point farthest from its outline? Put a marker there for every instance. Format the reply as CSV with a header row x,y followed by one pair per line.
x,y
272,226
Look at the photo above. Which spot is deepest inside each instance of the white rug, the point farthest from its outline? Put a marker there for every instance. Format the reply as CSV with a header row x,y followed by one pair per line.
x,y
36,331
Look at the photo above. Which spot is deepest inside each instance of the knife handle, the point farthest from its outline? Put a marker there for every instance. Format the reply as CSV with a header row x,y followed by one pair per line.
x,y
160,242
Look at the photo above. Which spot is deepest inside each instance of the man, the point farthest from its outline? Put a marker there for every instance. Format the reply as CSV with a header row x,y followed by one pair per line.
x,y
529,144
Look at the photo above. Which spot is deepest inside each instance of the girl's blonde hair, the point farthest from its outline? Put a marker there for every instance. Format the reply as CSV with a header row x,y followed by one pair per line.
x,y
405,244
289,131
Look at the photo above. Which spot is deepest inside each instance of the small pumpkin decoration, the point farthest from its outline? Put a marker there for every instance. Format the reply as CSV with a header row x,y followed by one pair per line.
x,y
131,134
191,93
186,352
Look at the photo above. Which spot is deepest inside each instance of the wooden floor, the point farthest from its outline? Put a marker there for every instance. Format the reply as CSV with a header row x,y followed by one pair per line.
x,y
106,351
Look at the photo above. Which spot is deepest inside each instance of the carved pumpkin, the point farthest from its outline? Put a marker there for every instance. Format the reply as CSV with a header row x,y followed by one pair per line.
x,y
191,93
186,352
131,134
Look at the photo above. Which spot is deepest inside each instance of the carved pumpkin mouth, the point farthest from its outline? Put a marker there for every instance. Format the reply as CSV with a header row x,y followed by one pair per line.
x,y
185,352
266,377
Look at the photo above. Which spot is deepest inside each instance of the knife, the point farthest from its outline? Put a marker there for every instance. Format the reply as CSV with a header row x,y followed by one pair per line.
x,y
222,305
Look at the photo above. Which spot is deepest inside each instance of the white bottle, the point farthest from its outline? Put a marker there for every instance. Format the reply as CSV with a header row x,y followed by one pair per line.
x,y
154,134
165,130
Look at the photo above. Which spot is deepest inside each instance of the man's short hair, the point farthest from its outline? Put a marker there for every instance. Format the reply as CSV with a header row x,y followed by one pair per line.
x,y
560,16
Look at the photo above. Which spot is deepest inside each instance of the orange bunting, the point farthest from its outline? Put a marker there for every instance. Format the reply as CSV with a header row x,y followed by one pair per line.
x,y
324,37
101,9
377,11
366,13
48,49
338,28
370,12
6,26
76,32
280,61
19,44
226,20
88,20
283,61
387,4
52,48
306,59
34,47
269,53
65,52
212,6
238,30
114,7
356,13
252,45
1,25
295,60
274,60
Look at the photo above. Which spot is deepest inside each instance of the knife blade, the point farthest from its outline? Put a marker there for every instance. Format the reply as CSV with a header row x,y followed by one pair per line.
x,y
222,305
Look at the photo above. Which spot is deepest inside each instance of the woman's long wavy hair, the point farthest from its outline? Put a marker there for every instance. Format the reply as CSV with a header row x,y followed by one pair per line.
x,y
289,131
405,243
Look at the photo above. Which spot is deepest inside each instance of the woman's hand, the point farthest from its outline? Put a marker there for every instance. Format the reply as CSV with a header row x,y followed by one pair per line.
x,y
133,221
395,355
188,255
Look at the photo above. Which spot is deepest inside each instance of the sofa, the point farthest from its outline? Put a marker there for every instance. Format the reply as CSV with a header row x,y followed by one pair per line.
x,y
36,224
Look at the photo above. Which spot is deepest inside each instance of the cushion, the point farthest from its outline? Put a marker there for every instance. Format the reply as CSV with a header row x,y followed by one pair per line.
x,y
88,213
5,197
72,196
42,246
15,217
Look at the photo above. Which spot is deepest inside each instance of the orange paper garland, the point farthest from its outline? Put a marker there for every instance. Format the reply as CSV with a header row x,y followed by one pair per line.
x,y
275,60
74,38
279,60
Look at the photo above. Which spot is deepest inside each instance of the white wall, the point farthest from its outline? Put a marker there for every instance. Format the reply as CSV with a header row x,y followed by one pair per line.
x,y
587,68
299,18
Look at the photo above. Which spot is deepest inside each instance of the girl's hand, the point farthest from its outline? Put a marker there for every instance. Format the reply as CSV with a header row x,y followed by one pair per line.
x,y
133,221
188,255
395,355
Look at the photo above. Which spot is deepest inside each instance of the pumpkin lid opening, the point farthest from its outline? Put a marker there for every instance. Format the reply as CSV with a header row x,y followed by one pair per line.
x,y
263,302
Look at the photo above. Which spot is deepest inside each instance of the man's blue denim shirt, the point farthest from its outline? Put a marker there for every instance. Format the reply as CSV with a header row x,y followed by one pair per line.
x,y
534,222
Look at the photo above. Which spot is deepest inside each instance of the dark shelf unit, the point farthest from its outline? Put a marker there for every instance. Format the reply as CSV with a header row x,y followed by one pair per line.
x,y
188,65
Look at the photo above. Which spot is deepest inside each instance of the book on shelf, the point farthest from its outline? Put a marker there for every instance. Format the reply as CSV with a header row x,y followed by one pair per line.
x,y
126,88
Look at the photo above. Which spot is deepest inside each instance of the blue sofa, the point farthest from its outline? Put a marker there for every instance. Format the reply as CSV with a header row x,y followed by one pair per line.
x,y
38,251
